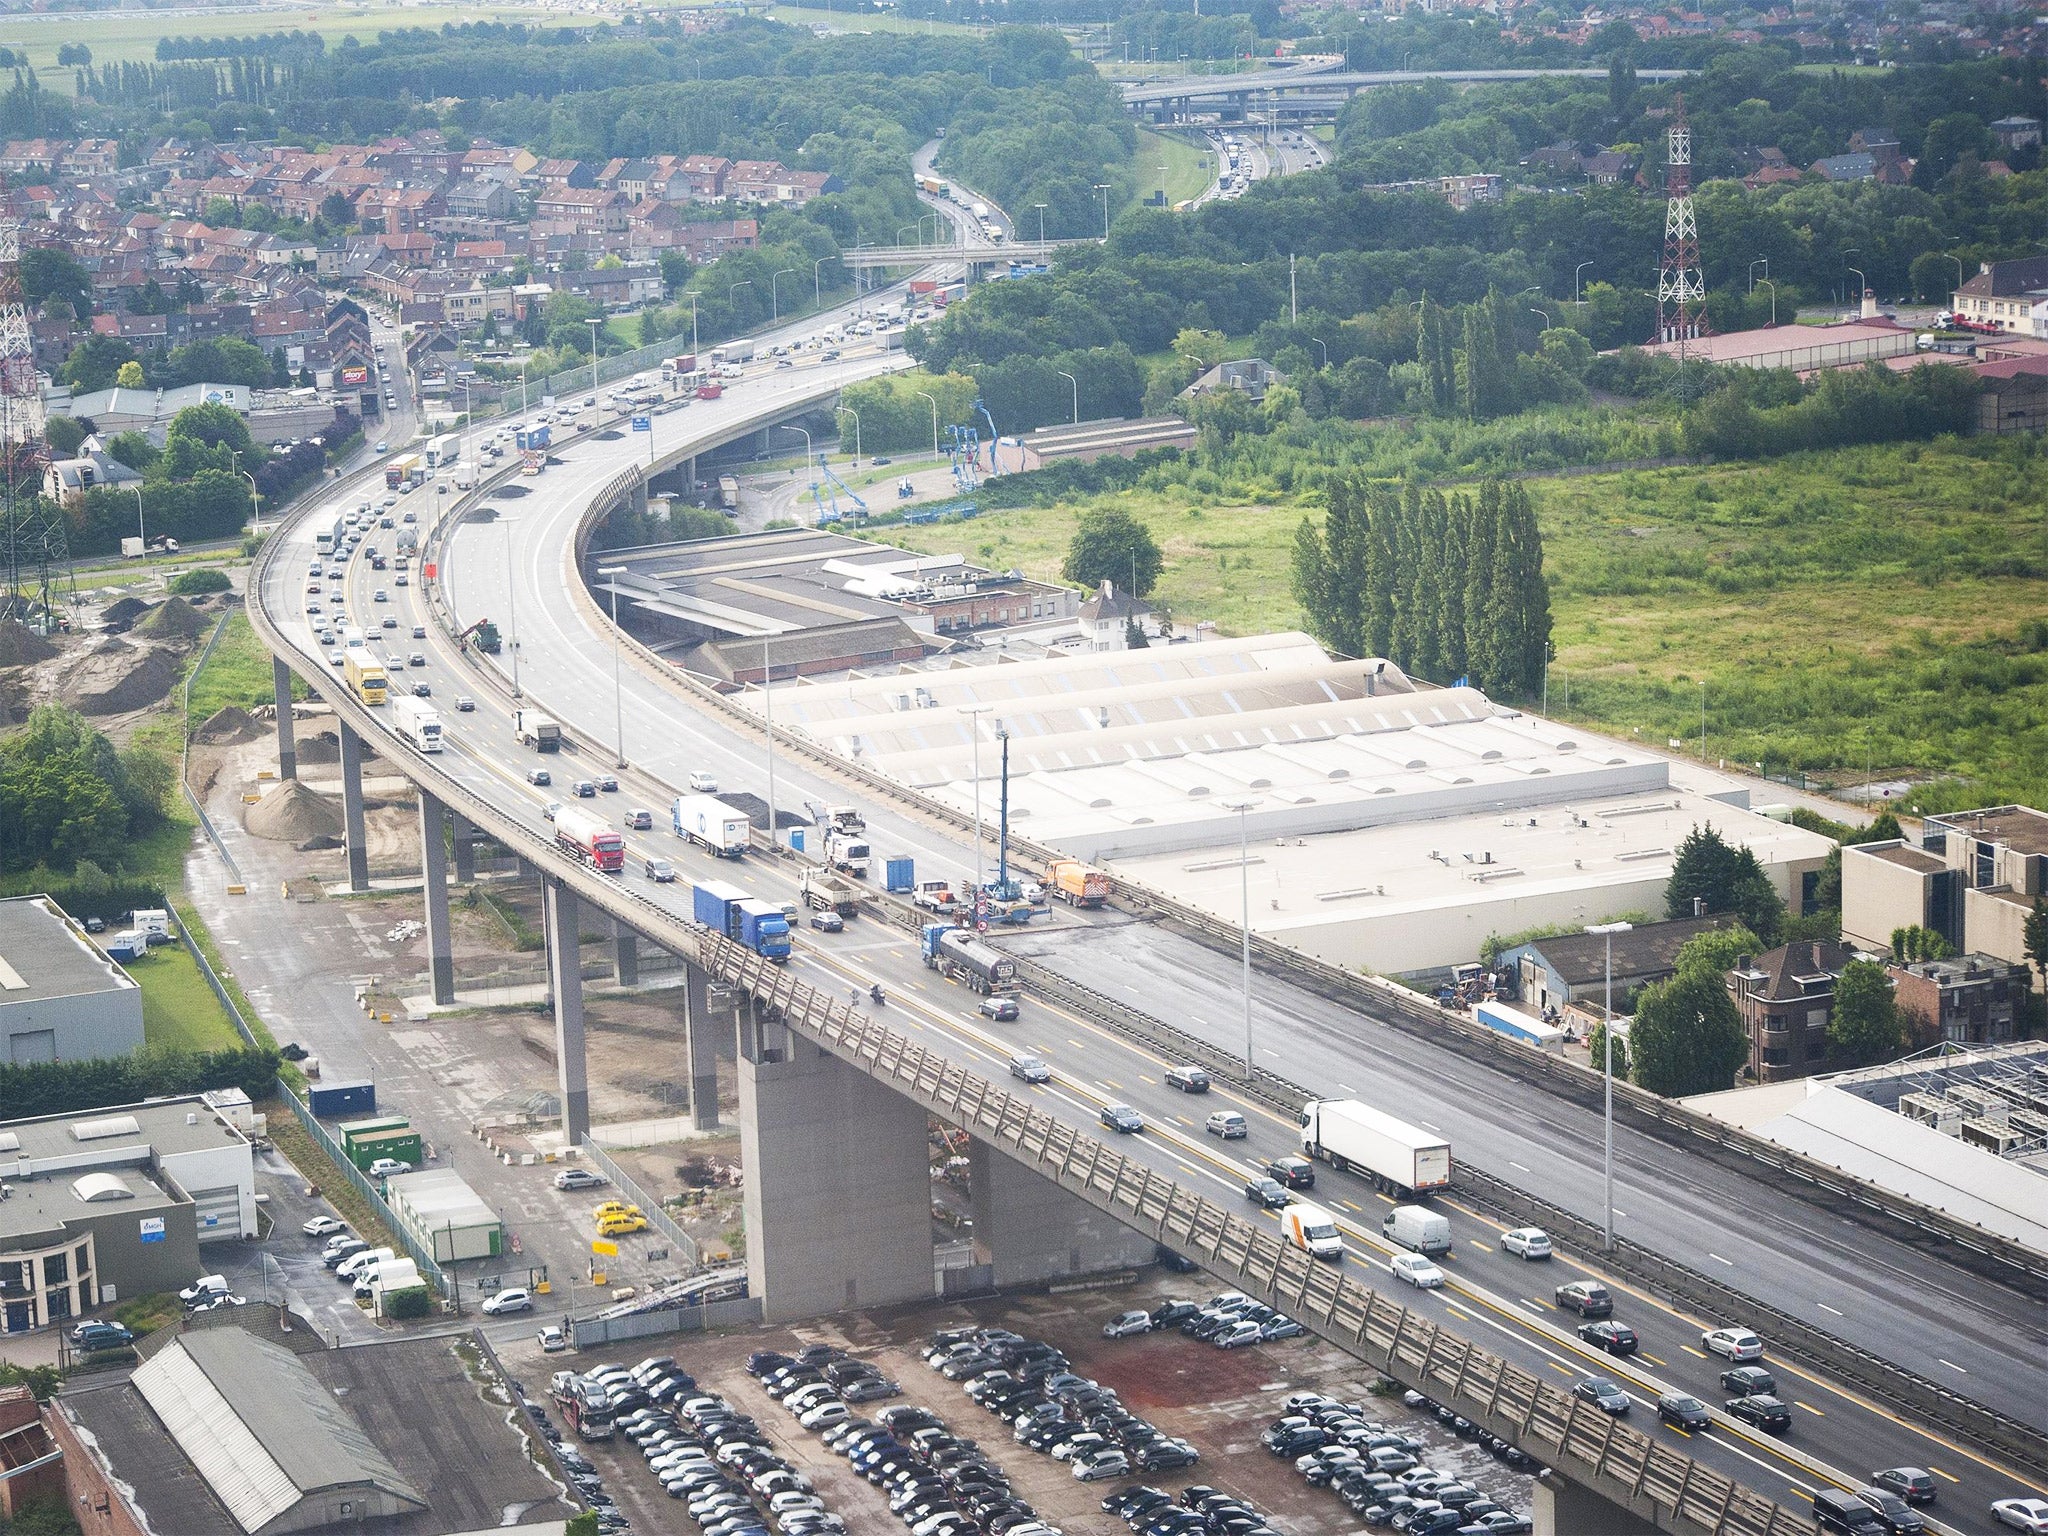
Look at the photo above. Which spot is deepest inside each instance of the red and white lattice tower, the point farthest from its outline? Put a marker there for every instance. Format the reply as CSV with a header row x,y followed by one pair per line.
x,y
1681,286
34,561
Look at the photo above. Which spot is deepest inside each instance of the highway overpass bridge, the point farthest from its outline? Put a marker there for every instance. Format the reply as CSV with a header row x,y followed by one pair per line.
x,y
1300,93
955,254
828,1236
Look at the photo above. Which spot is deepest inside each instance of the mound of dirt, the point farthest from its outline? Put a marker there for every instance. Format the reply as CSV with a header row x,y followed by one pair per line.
x,y
122,612
172,619
293,813
116,678
230,724
322,748
320,844
21,646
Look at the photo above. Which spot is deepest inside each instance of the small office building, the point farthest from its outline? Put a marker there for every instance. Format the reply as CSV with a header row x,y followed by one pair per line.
x,y
102,1206
61,997
445,1216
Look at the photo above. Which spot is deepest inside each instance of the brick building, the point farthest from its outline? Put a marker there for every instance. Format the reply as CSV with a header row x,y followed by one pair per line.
x,y
1786,999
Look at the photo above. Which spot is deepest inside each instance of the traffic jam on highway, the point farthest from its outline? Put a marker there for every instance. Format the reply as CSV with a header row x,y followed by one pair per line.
x,y
1344,1181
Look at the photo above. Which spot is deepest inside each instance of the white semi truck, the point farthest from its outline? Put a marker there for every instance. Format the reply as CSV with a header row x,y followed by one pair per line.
x,y
1401,1159
418,722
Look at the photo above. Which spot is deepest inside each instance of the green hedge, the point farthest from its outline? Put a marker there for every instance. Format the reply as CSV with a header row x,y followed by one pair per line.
x,y
66,1087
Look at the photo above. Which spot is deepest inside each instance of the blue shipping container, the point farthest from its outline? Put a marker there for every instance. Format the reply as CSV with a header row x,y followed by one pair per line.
x,y
328,1100
899,874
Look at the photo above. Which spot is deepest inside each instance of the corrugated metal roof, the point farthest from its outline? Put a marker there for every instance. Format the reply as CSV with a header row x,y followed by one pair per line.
x,y
259,1426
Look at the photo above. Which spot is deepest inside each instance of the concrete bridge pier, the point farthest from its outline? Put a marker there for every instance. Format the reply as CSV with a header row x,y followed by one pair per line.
x,y
1568,1509
701,1031
287,745
352,808
463,834
838,1194
625,955
434,885
1029,1229
560,914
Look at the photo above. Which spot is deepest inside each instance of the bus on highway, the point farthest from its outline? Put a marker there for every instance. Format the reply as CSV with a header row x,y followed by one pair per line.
x,y
365,674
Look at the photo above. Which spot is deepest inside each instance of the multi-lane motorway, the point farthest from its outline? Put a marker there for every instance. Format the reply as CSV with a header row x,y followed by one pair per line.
x,y
1909,1307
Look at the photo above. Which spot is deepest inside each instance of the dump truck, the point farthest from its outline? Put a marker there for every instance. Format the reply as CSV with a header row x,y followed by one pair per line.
x,y
759,925
1400,1159
959,956
1080,884
711,824
824,891
541,732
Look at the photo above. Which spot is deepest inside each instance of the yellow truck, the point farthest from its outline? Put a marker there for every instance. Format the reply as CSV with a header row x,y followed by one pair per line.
x,y
1080,884
365,675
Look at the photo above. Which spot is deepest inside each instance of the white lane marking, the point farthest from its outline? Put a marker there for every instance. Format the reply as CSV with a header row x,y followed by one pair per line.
x,y
1950,1364
1826,1308
1714,1256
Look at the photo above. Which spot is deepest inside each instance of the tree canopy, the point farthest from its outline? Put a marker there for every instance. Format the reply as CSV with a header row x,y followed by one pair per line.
x,y
1111,545
1707,872
66,794
1687,1037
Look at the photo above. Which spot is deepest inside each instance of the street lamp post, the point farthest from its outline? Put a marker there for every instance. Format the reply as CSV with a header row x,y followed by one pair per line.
x,y
817,292
807,449
1103,188
1862,286
935,424
522,371
1761,261
613,573
255,503
1041,222
1608,931
511,606
594,325
693,326
775,292
1768,283
1576,290
856,430
730,302
1077,392
1326,349
1244,901
974,712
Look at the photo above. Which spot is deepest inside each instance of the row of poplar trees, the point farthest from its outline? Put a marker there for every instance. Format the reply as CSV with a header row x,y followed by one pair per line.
x,y
1444,587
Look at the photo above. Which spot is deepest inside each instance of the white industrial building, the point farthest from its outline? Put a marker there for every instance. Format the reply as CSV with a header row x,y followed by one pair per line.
x,y
444,1215
61,997
1391,825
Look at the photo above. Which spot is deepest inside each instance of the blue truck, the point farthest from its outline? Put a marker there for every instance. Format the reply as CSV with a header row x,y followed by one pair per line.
x,y
760,925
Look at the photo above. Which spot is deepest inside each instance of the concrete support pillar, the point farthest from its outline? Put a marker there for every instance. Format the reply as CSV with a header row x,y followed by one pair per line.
x,y
434,882
1030,1229
352,808
287,745
702,1032
560,913
625,955
838,1193
464,834
1567,1509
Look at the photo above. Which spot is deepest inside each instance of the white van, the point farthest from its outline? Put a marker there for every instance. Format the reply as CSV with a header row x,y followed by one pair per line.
x,y
1417,1229
356,1263
1313,1230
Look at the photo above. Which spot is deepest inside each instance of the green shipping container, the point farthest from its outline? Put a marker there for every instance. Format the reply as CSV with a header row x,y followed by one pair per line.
x,y
349,1130
404,1145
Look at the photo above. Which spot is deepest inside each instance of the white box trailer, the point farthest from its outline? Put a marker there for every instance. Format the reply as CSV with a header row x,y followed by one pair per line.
x,y
712,825
1400,1158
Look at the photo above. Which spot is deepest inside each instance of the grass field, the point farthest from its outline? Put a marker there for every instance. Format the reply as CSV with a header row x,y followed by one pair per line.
x,y
864,21
1881,609
238,672
1188,169
133,36
178,1007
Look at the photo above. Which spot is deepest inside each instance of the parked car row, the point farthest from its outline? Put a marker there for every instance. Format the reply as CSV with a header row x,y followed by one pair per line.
x,y
1376,1470
938,1483
1229,1321
714,1459
610,1521
1199,1511
1077,1421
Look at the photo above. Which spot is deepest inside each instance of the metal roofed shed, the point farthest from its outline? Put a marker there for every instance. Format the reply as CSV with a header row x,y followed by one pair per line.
x,y
445,1216
1098,439
61,997
274,1446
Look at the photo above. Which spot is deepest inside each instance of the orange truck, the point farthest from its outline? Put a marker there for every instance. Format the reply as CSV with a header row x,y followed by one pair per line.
x,y
1081,884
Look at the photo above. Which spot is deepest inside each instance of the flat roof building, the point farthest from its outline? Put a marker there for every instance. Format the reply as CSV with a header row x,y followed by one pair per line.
x,y
1091,440
225,1432
445,1216
108,1204
1800,347
1974,878
61,997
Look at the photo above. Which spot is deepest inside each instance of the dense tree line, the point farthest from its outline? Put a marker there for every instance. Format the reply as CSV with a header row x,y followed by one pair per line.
x,y
1444,587
293,45
153,1071
1052,143
67,794
1756,415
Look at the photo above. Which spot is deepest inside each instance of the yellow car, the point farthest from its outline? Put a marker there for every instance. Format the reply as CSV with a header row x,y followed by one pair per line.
x,y
615,1208
619,1226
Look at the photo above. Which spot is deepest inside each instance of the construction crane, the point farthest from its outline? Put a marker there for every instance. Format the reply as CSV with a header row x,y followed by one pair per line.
x,y
963,448
829,487
994,437
33,548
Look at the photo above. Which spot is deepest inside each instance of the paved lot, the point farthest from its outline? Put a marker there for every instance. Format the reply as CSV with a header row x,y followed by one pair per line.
x,y
1219,1401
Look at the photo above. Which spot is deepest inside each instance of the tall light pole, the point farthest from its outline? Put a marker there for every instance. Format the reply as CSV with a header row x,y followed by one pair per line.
x,y
807,450
974,712
817,292
693,327
1103,188
1576,290
511,606
255,504
1041,222
1077,392
856,430
1326,349
522,379
1761,261
1768,283
595,326
775,292
730,302
1244,808
1608,931
613,573
768,713
935,424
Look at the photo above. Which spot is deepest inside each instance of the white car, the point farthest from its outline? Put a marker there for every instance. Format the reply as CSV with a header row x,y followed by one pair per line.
x,y
1529,1242
518,1299
1417,1270
702,783
1127,1325
1737,1344
385,1167
324,1226
2029,1515
580,1178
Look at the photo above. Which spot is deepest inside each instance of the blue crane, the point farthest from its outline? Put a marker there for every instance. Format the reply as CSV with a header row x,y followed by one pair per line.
x,y
828,489
993,437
